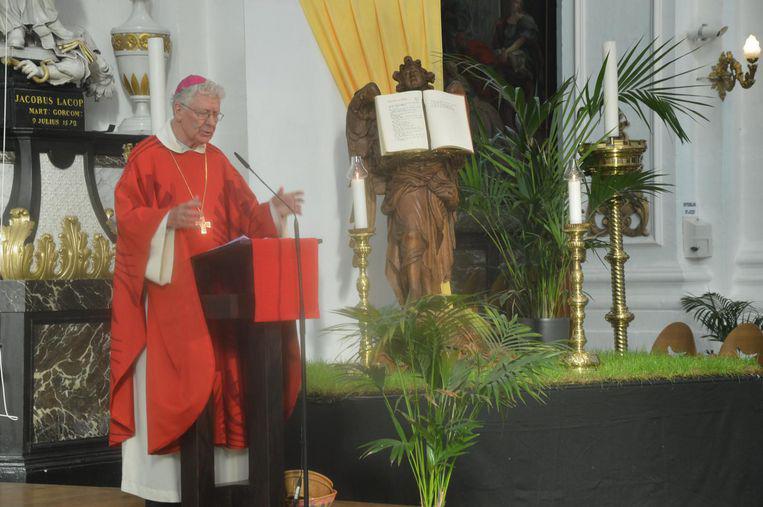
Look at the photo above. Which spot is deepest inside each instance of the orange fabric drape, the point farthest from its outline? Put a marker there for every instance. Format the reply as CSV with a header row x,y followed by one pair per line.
x,y
366,40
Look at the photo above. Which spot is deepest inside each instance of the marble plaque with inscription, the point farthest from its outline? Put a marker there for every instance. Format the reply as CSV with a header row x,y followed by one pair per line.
x,y
45,106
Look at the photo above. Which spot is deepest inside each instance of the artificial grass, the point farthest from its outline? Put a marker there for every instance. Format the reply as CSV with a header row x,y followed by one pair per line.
x,y
645,367
331,381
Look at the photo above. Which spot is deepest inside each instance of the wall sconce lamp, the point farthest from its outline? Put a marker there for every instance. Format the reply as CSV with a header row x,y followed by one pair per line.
x,y
728,71
706,33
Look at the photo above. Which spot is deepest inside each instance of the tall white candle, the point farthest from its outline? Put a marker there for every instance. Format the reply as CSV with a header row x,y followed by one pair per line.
x,y
358,186
576,200
157,82
611,113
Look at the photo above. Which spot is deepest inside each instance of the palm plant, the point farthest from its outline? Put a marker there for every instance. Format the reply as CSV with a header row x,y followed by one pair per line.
x,y
720,315
454,357
514,185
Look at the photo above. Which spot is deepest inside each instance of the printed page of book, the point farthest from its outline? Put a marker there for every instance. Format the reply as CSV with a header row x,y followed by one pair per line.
x,y
447,121
401,123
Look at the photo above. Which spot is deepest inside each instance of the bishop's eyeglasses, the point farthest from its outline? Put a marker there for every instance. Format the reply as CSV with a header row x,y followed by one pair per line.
x,y
204,115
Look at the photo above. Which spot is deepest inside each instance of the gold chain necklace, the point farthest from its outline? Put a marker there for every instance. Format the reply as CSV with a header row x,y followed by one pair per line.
x,y
201,223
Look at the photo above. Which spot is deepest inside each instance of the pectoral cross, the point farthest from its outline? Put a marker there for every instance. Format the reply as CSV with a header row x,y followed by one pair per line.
x,y
203,224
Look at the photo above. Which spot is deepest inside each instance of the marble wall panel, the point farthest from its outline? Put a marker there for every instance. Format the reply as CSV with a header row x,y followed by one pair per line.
x,y
54,295
70,391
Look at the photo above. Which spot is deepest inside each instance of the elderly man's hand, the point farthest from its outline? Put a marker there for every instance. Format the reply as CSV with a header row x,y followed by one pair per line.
x,y
185,216
294,201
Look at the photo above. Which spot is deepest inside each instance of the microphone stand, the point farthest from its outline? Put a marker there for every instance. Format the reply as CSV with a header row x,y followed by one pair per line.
x,y
304,480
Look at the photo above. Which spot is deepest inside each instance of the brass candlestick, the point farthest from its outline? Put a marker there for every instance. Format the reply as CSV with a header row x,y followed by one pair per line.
x,y
362,247
614,157
578,358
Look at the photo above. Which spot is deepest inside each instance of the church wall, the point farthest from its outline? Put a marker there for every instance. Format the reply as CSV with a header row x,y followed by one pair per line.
x,y
206,39
297,139
718,170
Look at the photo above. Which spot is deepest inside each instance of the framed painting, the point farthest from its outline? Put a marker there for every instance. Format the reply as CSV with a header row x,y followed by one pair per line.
x,y
518,39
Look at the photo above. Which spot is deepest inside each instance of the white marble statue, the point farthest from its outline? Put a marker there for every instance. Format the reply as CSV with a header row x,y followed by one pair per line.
x,y
44,50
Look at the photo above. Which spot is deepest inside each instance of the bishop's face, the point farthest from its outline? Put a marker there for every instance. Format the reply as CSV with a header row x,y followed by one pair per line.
x,y
197,120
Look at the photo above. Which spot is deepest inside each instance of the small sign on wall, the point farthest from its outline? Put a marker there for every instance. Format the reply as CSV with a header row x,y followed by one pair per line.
x,y
690,208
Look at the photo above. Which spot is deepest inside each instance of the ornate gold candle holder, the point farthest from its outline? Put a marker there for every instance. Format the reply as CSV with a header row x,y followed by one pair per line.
x,y
611,158
362,247
578,358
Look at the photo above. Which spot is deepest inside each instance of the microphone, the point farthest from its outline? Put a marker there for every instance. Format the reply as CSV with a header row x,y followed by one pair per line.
x,y
304,479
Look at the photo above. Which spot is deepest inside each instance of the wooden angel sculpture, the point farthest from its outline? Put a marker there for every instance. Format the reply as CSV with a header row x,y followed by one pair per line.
x,y
420,193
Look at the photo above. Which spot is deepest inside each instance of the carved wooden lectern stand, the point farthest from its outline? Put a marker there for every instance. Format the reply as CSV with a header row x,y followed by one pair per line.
x,y
225,281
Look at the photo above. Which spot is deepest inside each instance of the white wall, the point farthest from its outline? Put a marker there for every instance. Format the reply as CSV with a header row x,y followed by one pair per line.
x,y
206,39
297,139
718,170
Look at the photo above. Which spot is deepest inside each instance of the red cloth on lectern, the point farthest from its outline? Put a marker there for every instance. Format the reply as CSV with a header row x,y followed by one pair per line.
x,y
276,293
185,365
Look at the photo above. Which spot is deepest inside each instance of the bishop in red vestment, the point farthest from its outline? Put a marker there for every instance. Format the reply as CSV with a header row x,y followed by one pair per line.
x,y
180,196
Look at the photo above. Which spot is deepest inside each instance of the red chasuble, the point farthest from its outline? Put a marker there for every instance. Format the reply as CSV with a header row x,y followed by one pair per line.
x,y
186,361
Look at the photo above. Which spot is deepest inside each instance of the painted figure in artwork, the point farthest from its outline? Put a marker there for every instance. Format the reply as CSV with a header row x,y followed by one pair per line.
x,y
420,194
500,34
515,42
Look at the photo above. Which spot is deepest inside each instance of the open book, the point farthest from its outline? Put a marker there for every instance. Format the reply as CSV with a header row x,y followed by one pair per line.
x,y
419,121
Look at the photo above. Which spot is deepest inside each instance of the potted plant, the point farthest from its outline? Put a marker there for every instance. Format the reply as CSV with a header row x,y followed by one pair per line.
x,y
720,315
514,186
453,357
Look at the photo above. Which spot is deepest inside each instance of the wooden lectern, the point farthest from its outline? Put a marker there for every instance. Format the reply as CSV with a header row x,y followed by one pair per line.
x,y
225,280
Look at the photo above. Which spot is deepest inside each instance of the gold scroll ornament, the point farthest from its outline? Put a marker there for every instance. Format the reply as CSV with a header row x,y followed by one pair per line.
x,y
138,41
74,260
631,228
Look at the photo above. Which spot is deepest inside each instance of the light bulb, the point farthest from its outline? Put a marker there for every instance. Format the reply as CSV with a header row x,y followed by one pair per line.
x,y
751,48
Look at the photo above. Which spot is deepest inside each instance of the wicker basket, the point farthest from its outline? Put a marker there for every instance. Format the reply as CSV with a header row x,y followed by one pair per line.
x,y
322,492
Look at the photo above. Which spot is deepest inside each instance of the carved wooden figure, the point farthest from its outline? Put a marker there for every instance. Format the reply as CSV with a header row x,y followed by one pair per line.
x,y
420,193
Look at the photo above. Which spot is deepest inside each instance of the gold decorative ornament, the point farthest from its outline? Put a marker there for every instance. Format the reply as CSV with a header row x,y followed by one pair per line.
x,y
609,158
74,251
111,220
362,247
133,86
103,254
76,259
78,44
126,149
16,256
727,72
638,207
138,41
578,358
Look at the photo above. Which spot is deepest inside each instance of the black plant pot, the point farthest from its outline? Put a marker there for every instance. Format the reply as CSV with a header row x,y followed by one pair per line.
x,y
550,330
